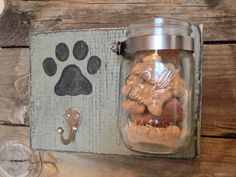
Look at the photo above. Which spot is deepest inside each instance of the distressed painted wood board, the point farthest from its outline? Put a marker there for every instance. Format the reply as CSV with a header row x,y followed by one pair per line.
x,y
98,132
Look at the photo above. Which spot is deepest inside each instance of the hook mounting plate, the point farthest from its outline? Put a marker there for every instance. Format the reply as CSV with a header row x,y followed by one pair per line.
x,y
73,119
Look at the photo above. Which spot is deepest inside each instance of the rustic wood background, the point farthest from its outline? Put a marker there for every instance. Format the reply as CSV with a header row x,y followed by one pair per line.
x,y
218,147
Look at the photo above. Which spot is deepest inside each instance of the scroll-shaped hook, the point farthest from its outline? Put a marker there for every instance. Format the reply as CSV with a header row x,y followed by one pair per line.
x,y
72,116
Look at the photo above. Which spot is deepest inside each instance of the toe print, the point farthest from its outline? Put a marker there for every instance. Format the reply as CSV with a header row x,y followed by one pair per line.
x,y
94,64
80,50
49,66
62,52
72,81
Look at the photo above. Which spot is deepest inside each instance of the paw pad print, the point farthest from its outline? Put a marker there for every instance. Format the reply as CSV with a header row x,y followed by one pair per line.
x,y
72,82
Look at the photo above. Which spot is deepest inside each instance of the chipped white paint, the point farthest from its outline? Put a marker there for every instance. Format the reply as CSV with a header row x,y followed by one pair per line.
x,y
98,132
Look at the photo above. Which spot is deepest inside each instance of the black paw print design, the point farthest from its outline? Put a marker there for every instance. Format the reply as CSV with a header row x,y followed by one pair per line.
x,y
72,81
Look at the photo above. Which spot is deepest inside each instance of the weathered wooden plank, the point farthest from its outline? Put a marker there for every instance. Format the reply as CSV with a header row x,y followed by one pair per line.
x,y
219,17
98,108
14,75
16,158
219,90
14,27
219,83
218,159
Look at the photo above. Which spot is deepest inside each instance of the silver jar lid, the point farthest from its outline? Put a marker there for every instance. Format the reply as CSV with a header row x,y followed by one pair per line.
x,y
159,34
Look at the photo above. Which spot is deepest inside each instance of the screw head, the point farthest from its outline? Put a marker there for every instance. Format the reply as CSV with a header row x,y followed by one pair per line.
x,y
114,47
67,116
77,116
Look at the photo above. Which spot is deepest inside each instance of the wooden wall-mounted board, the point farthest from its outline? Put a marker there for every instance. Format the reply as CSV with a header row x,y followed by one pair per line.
x,y
98,132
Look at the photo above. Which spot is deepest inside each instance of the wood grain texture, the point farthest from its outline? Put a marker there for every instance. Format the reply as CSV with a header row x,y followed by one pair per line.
x,y
219,16
14,76
218,162
16,158
218,159
14,26
219,90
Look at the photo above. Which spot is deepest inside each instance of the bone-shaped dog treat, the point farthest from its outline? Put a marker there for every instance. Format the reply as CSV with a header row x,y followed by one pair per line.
x,y
153,97
137,89
142,91
147,60
131,81
156,103
158,73
133,106
146,69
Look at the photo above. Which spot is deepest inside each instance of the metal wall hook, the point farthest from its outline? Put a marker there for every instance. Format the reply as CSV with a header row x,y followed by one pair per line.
x,y
73,119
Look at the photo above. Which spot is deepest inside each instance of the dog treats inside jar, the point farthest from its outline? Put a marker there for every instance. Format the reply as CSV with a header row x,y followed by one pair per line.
x,y
157,87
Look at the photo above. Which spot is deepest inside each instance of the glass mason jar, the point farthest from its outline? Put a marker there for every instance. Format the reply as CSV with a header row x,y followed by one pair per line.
x,y
156,94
